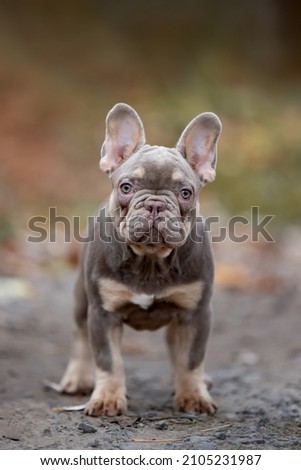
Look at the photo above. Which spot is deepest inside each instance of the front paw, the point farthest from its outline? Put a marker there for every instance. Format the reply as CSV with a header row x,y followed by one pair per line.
x,y
77,380
195,402
107,404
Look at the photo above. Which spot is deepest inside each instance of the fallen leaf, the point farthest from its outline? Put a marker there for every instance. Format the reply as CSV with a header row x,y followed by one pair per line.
x,y
48,385
233,276
236,276
70,408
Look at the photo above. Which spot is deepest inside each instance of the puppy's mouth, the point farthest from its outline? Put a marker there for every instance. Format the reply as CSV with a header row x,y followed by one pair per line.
x,y
154,225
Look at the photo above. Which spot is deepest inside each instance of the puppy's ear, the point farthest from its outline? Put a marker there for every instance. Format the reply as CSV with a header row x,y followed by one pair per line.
x,y
198,145
124,133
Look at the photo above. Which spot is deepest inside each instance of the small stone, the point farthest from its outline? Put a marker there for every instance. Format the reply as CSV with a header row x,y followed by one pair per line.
x,y
162,426
86,428
279,444
174,446
220,435
247,357
294,411
94,443
253,429
253,410
150,414
47,432
198,443
263,421
245,441
231,416
258,440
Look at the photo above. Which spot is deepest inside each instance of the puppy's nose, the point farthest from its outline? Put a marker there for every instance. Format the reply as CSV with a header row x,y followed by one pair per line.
x,y
155,207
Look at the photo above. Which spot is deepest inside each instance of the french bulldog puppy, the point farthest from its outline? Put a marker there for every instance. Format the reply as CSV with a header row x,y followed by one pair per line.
x,y
148,263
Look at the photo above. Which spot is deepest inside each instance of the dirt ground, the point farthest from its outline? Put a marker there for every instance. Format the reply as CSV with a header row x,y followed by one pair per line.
x,y
254,359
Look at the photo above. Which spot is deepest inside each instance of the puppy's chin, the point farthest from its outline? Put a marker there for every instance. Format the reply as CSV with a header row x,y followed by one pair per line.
x,y
160,251
153,243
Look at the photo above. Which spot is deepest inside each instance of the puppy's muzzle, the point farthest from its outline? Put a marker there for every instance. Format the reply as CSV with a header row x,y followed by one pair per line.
x,y
154,221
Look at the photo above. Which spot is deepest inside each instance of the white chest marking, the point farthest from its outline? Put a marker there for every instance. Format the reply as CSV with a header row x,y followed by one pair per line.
x,y
115,295
143,300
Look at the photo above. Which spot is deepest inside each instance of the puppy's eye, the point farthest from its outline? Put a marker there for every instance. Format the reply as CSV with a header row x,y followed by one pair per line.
x,y
126,188
186,193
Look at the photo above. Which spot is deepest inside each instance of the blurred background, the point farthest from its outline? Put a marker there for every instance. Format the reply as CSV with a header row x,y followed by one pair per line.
x,y
63,66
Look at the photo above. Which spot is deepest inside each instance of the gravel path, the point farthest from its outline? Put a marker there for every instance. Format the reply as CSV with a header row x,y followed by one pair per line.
x,y
254,359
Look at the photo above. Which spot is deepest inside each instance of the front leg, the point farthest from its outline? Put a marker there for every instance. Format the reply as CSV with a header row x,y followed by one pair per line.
x,y
109,395
187,344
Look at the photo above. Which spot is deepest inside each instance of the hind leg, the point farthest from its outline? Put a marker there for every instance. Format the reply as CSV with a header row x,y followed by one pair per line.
x,y
79,375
